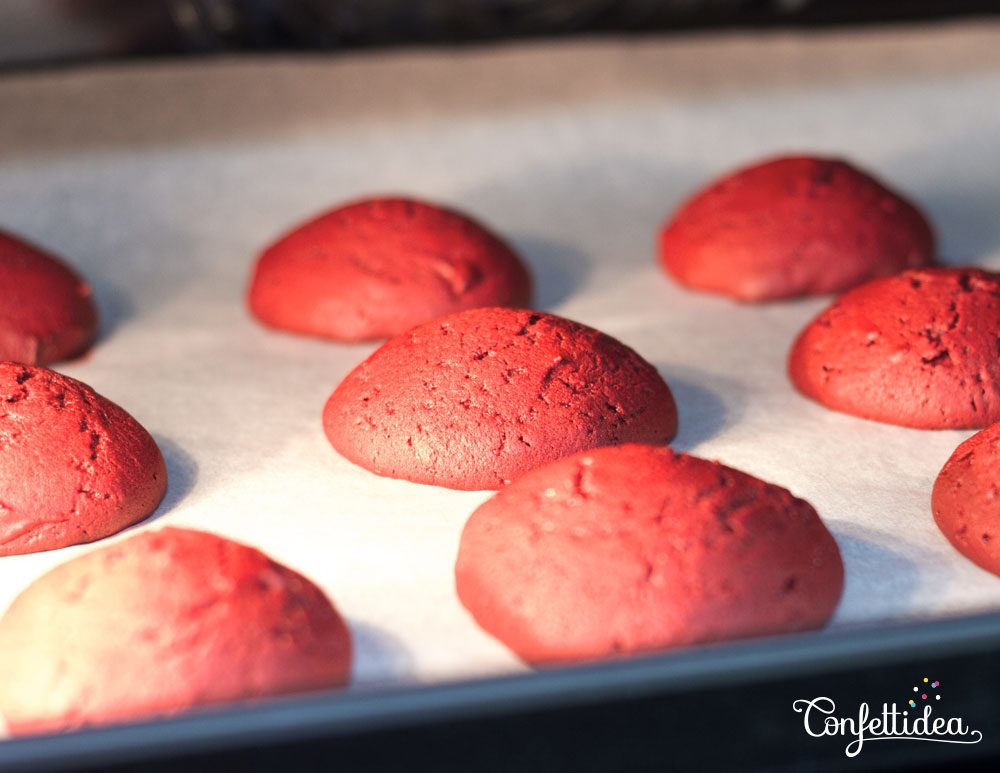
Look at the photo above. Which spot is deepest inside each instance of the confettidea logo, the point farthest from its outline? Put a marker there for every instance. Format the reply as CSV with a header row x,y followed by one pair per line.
x,y
913,720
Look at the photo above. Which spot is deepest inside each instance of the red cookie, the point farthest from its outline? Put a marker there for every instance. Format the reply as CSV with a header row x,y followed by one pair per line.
x,y
917,349
162,622
378,267
791,227
476,399
47,313
966,499
74,467
633,548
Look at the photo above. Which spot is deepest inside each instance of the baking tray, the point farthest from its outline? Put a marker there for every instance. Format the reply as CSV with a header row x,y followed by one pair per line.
x,y
162,181
719,708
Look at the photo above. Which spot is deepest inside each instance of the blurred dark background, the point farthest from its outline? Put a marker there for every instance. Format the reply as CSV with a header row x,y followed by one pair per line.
x,y
52,31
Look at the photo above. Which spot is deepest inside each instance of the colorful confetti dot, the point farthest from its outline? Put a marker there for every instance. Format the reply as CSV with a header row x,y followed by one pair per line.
x,y
912,704
925,679
937,697
935,684
924,696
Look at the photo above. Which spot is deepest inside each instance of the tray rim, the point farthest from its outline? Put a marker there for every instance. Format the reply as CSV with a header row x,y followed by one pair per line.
x,y
297,719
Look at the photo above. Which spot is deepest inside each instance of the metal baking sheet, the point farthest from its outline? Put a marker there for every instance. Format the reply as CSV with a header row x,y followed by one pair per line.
x,y
726,707
161,181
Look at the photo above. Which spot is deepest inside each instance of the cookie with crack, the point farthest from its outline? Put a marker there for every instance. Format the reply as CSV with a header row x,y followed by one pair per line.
x,y
636,548
475,399
377,267
162,622
966,499
790,227
917,349
74,467
47,311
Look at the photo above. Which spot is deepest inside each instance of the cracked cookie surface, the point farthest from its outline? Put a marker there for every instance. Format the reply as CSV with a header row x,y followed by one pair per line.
x,y
635,548
161,622
377,267
74,467
790,227
966,499
47,311
475,399
920,349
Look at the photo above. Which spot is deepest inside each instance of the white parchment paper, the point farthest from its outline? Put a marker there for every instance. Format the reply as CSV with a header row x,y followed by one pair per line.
x,y
161,181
